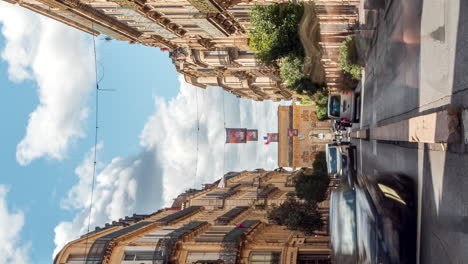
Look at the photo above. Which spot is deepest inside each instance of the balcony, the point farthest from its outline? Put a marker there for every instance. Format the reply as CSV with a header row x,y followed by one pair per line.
x,y
226,218
179,215
164,247
265,191
103,246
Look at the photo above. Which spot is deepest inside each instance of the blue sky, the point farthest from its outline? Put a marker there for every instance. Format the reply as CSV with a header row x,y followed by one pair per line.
x,y
147,133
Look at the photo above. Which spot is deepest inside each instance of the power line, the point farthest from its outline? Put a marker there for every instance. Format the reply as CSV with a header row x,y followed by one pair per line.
x,y
224,143
95,143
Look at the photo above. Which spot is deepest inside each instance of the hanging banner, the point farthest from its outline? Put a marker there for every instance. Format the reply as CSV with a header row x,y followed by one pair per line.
x,y
252,135
236,135
292,132
272,137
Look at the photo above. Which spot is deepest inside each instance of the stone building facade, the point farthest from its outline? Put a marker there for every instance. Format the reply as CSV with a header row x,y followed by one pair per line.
x,y
214,225
206,39
299,151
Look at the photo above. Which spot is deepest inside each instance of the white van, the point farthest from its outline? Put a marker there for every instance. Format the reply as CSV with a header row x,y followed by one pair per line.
x,y
344,106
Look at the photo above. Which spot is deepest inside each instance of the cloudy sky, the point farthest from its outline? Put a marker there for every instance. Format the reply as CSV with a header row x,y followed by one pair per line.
x,y
147,140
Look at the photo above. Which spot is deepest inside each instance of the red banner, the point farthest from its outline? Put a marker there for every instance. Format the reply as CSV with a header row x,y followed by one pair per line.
x,y
252,135
292,132
272,137
236,135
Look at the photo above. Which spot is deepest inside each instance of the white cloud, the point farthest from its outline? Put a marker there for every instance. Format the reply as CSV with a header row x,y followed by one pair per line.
x,y
11,224
166,166
59,59
123,187
171,130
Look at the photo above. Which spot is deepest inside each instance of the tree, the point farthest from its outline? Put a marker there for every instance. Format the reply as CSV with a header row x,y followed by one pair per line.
x,y
296,216
312,185
321,101
274,32
320,162
349,58
293,77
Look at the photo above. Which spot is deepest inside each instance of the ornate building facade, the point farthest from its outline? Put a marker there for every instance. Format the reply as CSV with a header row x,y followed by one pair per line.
x,y
215,225
206,39
312,135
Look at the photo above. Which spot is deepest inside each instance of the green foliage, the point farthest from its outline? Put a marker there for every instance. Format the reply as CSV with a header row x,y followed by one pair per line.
x,y
349,58
293,77
291,70
321,101
312,185
274,33
321,97
322,113
306,100
349,82
320,162
296,216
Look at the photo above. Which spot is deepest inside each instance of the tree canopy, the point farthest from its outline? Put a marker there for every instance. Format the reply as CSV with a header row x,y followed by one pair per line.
x,y
312,185
296,216
321,101
274,33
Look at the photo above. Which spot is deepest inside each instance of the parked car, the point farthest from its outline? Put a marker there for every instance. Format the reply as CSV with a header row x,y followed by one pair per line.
x,y
344,106
375,222
340,159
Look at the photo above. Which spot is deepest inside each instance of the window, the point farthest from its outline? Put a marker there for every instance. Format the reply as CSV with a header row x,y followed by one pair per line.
x,y
170,6
265,258
334,106
215,53
246,53
198,257
79,258
138,255
190,26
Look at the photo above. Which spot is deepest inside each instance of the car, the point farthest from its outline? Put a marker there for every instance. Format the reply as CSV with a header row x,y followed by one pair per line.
x,y
344,106
340,159
374,222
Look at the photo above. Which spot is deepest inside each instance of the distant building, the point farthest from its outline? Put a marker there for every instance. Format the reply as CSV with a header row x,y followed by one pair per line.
x,y
216,225
312,135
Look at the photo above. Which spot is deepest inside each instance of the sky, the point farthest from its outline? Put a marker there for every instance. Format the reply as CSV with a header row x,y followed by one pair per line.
x,y
147,135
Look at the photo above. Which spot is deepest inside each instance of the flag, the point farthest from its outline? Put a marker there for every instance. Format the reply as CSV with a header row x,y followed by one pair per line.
x,y
265,140
236,135
252,135
292,132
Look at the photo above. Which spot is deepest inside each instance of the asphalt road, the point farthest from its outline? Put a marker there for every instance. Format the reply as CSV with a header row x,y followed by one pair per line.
x,y
418,65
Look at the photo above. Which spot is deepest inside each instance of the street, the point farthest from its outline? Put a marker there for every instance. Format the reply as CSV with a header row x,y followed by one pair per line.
x,y
418,65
